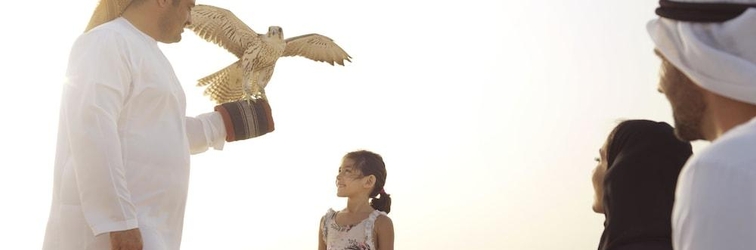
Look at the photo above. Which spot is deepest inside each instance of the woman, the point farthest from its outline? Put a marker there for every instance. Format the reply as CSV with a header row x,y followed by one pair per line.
x,y
634,184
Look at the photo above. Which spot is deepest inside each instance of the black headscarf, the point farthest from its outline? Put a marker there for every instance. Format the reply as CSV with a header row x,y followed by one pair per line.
x,y
644,159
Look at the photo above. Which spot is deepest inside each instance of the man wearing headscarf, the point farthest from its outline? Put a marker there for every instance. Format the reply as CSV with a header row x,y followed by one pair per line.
x,y
122,159
708,51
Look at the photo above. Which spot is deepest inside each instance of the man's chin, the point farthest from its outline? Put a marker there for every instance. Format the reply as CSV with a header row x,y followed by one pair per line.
x,y
173,39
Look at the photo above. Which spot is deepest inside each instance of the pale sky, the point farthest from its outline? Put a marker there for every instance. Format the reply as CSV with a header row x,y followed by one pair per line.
x,y
487,113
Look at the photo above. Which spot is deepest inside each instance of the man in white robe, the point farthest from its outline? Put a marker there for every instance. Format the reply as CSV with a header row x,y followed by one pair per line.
x,y
122,160
708,51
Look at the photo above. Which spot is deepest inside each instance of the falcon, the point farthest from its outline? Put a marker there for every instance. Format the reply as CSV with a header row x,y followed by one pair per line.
x,y
247,77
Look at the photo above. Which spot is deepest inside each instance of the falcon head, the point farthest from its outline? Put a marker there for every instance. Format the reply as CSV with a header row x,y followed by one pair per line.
x,y
275,32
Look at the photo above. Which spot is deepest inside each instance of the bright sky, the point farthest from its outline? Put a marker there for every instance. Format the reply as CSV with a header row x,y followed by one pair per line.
x,y
488,115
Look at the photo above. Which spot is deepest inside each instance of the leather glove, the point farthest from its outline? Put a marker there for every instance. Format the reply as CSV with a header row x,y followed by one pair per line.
x,y
246,119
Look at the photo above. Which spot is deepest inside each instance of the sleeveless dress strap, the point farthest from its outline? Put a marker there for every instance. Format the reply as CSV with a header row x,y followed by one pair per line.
x,y
369,225
327,221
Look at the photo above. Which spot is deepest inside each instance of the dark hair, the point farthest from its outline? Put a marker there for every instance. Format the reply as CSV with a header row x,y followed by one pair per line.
x,y
369,163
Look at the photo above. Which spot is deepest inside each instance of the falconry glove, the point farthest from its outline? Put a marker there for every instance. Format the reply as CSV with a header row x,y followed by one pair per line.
x,y
246,119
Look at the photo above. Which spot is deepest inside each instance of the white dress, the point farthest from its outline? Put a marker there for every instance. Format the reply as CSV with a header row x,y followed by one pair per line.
x,y
715,201
124,142
359,236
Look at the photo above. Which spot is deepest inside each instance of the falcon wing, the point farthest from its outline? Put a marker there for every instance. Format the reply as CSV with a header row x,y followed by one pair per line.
x,y
316,47
225,85
223,28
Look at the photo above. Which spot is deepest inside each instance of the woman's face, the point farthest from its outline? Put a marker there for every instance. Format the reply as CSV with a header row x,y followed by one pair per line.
x,y
598,179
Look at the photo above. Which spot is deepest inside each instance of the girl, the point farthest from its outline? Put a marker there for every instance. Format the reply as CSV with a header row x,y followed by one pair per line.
x,y
364,223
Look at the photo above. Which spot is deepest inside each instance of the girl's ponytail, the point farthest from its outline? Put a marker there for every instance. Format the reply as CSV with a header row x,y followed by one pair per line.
x,y
382,202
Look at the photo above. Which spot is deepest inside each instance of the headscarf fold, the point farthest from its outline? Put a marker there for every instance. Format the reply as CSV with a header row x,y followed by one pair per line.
x,y
644,159
718,56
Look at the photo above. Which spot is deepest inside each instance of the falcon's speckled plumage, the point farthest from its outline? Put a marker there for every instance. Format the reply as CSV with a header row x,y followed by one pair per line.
x,y
257,53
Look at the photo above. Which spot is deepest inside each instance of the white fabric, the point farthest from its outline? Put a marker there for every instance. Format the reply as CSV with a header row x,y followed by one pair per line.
x,y
720,57
124,142
715,200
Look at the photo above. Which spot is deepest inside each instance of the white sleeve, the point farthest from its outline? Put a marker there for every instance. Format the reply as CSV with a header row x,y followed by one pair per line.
x,y
205,131
716,208
98,79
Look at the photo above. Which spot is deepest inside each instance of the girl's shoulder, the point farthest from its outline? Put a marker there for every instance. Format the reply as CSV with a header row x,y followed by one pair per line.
x,y
378,219
329,215
376,214
330,212
382,220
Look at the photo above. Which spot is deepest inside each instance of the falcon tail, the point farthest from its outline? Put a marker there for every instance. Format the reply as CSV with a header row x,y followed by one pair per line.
x,y
225,85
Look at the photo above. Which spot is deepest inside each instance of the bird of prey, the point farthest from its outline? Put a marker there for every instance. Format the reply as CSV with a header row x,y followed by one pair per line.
x,y
246,78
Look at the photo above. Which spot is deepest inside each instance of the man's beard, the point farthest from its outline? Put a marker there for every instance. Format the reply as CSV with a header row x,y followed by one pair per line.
x,y
688,118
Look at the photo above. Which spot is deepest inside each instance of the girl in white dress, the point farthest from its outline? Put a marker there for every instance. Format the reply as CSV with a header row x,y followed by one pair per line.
x,y
364,223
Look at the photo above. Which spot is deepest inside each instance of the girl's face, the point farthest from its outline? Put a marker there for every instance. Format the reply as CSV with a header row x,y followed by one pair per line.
x,y
598,180
350,181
